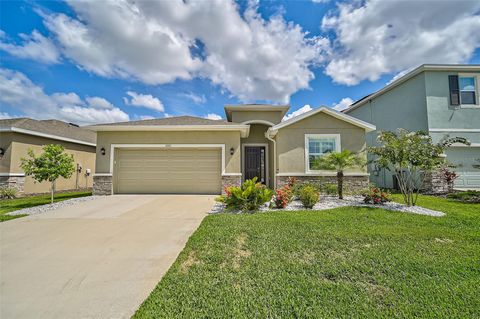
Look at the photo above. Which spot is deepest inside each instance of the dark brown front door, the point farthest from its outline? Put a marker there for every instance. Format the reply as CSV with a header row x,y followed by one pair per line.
x,y
255,164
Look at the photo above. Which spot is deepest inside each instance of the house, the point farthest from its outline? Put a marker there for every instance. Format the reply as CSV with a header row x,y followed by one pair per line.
x,y
440,99
195,155
18,135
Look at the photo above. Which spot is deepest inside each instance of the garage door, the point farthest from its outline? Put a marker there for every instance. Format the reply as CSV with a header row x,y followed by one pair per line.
x,y
467,160
168,171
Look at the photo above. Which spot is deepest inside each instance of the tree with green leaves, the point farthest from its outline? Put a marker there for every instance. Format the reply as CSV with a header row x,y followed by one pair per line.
x,y
339,161
49,166
411,155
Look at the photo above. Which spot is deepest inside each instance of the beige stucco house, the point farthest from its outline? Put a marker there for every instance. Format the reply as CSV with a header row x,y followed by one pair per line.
x,y
196,155
19,135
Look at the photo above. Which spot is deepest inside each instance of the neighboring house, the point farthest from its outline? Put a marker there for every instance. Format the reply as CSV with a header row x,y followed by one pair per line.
x,y
440,99
18,135
196,155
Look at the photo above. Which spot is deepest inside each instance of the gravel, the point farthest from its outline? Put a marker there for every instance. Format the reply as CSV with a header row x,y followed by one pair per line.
x,y
330,202
48,207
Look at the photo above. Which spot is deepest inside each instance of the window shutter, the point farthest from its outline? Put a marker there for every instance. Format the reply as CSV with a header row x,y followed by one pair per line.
x,y
454,90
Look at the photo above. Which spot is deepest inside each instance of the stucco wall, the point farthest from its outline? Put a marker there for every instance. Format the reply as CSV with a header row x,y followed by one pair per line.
x,y
274,117
6,144
83,154
291,141
230,139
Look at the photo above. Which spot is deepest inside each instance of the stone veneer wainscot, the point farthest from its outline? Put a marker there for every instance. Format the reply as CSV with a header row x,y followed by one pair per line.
x,y
102,185
351,183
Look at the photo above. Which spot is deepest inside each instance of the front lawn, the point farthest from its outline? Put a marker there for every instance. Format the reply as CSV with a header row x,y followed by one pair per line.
x,y
341,263
10,205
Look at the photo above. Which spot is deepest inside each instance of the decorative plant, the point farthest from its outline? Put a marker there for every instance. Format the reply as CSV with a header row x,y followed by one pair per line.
x,y
49,166
330,189
248,197
8,192
308,196
339,161
410,155
282,197
448,176
376,196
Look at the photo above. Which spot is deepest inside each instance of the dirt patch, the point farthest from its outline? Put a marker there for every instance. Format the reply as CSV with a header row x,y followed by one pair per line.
x,y
189,262
240,252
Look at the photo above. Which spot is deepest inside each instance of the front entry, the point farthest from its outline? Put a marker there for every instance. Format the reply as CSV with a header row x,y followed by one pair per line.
x,y
255,163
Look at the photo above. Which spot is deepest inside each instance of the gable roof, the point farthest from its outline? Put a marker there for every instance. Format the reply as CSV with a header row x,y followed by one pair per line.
x,y
323,109
411,74
255,107
54,129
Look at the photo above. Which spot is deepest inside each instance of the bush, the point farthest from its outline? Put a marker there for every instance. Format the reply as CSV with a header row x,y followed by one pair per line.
x,y
466,196
248,197
330,189
308,196
282,197
376,196
8,192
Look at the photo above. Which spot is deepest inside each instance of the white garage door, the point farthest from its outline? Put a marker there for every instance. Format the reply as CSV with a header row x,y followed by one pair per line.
x,y
167,171
467,160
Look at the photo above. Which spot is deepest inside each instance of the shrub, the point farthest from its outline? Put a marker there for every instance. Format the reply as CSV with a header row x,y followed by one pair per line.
x,y
308,196
248,197
282,197
330,189
376,196
466,196
8,192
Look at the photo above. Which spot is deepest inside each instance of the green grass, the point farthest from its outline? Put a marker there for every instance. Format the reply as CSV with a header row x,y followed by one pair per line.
x,y
341,263
10,205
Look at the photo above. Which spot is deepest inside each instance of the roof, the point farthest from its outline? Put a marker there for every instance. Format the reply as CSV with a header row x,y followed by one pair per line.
x,y
323,109
255,107
53,129
179,123
411,74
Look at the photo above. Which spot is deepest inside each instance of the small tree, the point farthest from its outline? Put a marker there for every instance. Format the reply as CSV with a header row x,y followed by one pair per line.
x,y
339,161
49,166
410,155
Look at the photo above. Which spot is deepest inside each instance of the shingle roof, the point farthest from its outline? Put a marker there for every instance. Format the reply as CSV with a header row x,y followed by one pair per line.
x,y
51,127
178,120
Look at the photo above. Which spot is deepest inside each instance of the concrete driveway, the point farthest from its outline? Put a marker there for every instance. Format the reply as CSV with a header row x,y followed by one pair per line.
x,y
96,259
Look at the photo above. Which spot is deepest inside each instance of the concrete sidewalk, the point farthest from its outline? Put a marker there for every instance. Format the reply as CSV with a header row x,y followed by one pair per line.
x,y
97,259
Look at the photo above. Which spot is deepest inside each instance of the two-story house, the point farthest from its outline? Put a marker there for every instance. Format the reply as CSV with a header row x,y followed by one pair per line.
x,y
440,99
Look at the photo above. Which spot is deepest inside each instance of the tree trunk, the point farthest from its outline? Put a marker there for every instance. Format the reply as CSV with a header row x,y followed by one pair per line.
x,y
340,184
52,191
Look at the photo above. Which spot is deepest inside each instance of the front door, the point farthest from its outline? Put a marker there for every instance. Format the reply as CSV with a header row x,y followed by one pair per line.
x,y
255,163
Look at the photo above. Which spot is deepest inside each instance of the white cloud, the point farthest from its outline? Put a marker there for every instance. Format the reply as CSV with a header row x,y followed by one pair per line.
x,y
213,116
99,103
376,37
5,115
159,42
197,99
34,46
28,98
144,100
303,109
343,104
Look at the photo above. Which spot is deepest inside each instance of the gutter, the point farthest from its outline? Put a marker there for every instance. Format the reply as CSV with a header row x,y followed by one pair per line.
x,y
53,137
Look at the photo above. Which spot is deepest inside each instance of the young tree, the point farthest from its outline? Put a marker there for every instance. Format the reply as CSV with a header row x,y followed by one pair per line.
x,y
49,166
339,161
410,155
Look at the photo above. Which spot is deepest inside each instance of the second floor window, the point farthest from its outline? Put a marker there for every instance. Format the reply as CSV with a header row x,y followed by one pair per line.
x,y
467,90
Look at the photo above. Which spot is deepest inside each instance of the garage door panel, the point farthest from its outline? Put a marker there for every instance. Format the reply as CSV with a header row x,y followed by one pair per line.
x,y
192,170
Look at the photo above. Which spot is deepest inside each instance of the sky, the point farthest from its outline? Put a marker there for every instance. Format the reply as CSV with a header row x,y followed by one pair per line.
x,y
92,62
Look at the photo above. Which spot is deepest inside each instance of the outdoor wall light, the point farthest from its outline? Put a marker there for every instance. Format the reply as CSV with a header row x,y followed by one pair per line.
x,y
232,150
102,150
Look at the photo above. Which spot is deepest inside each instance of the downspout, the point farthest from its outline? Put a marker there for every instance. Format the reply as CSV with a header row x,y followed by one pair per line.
x,y
267,135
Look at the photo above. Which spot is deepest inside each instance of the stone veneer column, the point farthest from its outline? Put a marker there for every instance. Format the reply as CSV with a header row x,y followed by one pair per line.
x,y
230,180
102,185
17,182
435,183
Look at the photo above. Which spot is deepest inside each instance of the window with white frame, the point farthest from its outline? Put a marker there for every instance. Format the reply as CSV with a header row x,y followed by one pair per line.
x,y
317,145
467,90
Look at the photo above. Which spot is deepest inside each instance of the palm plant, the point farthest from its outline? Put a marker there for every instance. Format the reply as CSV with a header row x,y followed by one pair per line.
x,y
338,161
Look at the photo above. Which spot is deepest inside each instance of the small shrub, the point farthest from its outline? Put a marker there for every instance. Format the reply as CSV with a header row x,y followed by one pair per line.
x,y
282,197
8,192
376,196
248,197
466,196
308,196
330,189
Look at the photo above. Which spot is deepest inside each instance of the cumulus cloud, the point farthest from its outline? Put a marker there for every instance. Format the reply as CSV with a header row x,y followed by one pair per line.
x,y
197,99
303,109
159,42
343,104
144,100
213,116
99,102
377,37
34,46
19,92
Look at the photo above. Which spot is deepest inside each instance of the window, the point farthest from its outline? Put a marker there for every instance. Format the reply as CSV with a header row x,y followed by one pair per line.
x,y
467,90
317,145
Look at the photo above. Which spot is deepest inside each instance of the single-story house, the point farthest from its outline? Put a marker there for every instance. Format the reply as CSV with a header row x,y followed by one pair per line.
x,y
18,135
195,155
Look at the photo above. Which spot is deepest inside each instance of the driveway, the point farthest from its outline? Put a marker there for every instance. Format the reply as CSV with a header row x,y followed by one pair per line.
x,y
96,259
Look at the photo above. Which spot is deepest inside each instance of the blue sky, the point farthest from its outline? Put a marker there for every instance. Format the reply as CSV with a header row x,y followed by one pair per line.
x,y
79,62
